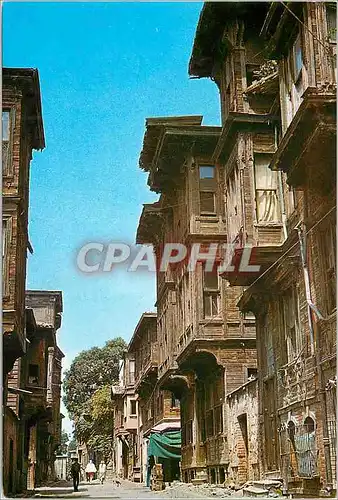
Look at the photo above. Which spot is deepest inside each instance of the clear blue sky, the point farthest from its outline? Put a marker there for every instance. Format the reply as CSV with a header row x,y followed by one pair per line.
x,y
104,68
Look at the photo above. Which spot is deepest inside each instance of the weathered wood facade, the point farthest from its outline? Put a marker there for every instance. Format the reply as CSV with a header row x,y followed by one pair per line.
x,y
205,345
124,401
280,194
154,410
34,394
22,133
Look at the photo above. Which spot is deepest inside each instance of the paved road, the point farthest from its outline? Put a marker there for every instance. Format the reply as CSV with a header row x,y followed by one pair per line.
x,y
127,491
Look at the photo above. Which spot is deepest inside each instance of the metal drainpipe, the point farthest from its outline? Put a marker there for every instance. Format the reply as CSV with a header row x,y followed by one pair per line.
x,y
241,180
282,203
315,349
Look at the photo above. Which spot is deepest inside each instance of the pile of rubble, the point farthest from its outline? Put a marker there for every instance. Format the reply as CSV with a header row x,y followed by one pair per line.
x,y
188,490
272,488
261,488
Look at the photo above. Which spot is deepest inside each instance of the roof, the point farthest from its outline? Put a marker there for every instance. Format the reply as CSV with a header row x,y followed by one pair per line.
x,y
27,79
154,130
57,294
165,426
166,144
145,319
209,44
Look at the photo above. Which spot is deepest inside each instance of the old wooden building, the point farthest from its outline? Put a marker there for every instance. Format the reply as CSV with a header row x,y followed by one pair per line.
x,y
158,411
296,319
22,132
142,410
275,67
206,347
34,393
125,419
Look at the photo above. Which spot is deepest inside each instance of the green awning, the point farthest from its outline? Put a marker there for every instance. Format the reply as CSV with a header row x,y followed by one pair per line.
x,y
165,445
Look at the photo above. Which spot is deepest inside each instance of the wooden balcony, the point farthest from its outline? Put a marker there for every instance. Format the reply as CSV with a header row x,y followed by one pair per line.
x,y
243,273
307,152
212,334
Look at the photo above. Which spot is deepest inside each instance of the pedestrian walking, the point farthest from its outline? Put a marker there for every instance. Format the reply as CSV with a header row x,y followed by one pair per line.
x,y
90,470
75,473
102,471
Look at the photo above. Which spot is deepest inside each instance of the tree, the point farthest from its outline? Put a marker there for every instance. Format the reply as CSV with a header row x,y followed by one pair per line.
x,y
87,396
72,444
62,449
101,435
90,370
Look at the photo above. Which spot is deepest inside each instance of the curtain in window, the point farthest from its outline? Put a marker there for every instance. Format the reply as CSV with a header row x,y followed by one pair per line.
x,y
266,191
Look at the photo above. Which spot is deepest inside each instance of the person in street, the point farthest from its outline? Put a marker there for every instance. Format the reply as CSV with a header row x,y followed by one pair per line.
x,y
75,473
90,470
102,471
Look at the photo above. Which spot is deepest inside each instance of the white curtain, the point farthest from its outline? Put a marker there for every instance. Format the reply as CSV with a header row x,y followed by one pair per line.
x,y
266,190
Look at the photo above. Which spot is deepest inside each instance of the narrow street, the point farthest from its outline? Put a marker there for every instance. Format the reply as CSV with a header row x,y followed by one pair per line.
x,y
127,490
131,491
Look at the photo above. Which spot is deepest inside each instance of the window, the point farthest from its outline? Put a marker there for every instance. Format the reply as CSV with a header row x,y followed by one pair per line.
x,y
249,315
207,186
131,371
297,58
7,120
33,374
133,407
211,294
175,402
187,433
207,201
331,20
6,237
210,423
267,206
218,419
291,323
328,251
251,373
207,172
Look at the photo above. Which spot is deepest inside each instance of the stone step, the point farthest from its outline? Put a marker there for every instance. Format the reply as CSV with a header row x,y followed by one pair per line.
x,y
267,483
254,491
275,474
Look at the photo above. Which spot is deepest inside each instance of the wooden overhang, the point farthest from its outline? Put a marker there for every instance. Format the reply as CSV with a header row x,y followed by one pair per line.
x,y
307,152
175,381
173,145
210,45
241,122
267,285
154,132
150,224
280,28
200,354
27,80
143,323
262,256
